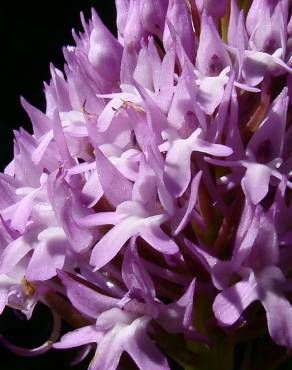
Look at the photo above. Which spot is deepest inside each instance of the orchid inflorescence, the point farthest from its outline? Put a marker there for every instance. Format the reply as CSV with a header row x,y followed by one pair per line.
x,y
151,207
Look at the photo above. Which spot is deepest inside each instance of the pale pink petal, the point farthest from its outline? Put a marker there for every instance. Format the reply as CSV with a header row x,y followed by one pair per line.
x,y
105,359
108,247
141,349
116,187
85,298
98,219
3,299
79,337
231,302
177,171
243,249
277,306
22,212
158,239
188,210
279,318
256,180
47,257
14,252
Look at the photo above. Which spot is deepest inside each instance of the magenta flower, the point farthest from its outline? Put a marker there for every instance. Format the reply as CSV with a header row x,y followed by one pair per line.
x,y
151,206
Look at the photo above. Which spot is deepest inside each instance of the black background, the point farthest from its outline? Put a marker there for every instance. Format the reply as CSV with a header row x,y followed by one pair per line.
x,y
32,35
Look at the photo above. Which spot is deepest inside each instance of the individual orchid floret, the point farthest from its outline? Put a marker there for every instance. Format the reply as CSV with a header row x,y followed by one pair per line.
x,y
268,32
261,279
140,285
176,317
271,132
123,331
212,57
213,65
132,219
268,40
178,158
264,152
127,331
265,282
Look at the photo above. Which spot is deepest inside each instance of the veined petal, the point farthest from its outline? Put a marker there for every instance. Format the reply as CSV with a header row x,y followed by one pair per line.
x,y
104,51
144,189
267,142
41,123
92,190
155,160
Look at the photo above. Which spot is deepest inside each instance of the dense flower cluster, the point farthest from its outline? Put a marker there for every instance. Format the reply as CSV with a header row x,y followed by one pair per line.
x,y
154,194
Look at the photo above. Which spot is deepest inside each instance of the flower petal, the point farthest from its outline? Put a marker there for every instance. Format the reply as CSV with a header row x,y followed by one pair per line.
x,y
14,252
279,316
79,337
48,256
108,247
231,302
188,210
116,187
142,350
255,183
278,308
160,241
